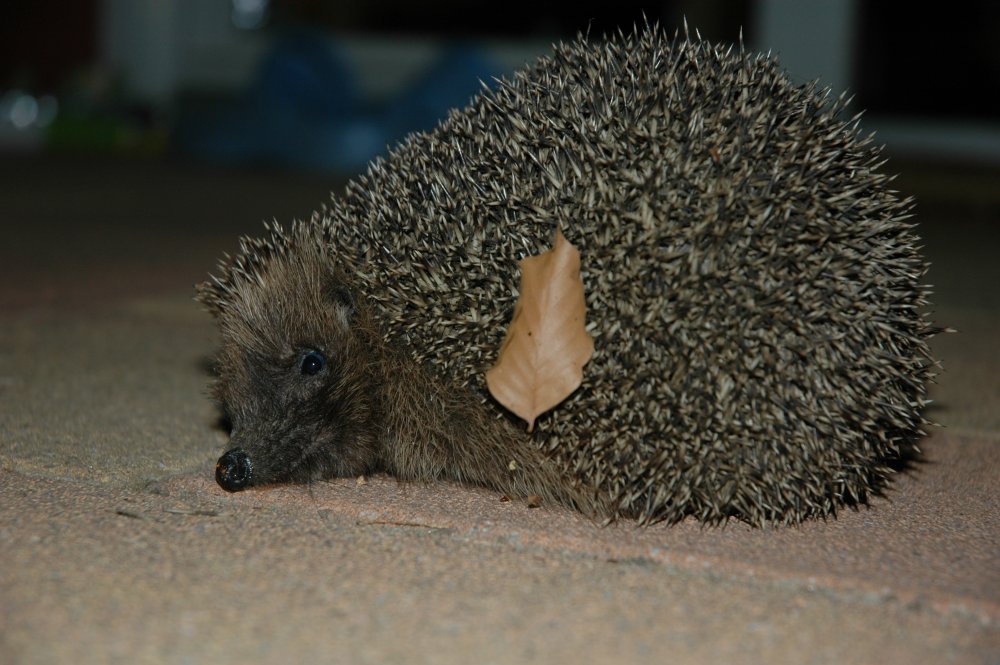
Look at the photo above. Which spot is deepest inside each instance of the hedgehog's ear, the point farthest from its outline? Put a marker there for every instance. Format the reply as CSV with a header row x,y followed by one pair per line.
x,y
342,298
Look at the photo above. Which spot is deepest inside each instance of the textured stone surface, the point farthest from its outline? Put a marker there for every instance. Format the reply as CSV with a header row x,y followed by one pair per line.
x,y
117,546
185,574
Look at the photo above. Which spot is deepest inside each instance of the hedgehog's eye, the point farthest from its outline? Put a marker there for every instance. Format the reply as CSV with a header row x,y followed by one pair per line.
x,y
313,362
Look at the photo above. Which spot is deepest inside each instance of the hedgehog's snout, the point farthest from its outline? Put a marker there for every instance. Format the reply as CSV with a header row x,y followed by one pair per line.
x,y
234,470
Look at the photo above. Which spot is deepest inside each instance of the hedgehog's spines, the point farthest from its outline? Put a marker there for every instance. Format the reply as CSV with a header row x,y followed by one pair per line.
x,y
752,282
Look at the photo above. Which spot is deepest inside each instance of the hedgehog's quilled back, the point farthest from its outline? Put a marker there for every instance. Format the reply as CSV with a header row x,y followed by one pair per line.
x,y
753,284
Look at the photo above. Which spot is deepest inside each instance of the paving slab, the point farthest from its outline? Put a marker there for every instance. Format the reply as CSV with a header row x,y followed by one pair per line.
x,y
443,575
117,546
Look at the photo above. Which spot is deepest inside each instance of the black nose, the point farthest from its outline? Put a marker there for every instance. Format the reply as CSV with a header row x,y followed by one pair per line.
x,y
233,471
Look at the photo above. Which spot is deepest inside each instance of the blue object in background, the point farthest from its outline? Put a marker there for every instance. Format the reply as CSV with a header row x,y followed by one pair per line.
x,y
304,109
450,83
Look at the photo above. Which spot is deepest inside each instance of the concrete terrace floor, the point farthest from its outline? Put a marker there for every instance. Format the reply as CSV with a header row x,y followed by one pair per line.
x,y
116,545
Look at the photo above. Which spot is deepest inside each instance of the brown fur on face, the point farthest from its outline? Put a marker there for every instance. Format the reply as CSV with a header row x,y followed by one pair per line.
x,y
296,426
369,408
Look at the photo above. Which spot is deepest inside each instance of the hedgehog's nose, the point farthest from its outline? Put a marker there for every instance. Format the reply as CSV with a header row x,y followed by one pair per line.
x,y
233,470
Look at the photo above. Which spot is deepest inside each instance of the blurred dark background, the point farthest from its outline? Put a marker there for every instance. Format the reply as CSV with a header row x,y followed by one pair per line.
x,y
325,85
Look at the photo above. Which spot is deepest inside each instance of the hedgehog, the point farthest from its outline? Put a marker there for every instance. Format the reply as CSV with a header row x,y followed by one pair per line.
x,y
753,287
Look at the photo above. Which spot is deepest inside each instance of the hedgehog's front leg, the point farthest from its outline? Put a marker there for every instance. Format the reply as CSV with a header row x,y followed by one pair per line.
x,y
434,428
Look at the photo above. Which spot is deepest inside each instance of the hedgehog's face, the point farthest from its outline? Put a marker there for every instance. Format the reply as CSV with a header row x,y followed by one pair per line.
x,y
292,381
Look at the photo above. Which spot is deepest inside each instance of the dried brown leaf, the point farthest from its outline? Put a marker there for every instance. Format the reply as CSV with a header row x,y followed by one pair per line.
x,y
541,360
